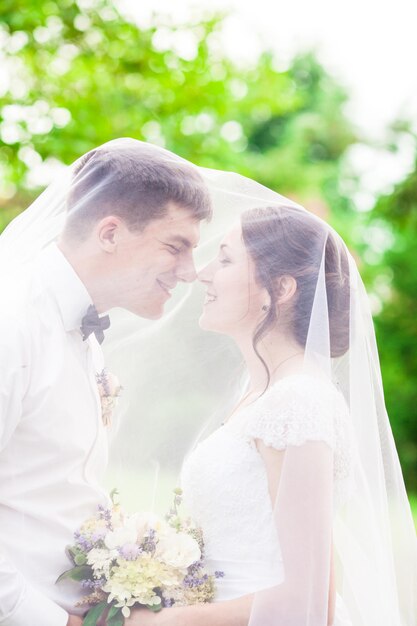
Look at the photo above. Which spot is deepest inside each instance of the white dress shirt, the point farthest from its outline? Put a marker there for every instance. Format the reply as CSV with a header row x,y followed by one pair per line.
x,y
53,444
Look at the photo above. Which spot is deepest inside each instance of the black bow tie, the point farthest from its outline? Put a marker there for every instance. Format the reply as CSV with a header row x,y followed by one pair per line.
x,y
92,323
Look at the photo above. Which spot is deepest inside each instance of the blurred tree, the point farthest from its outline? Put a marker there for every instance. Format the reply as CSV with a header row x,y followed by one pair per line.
x,y
77,74
394,281
74,74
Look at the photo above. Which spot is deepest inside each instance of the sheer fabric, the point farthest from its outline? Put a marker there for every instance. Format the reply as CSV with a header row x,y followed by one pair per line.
x,y
340,489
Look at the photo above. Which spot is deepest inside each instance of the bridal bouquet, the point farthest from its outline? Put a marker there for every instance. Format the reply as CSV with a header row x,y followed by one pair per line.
x,y
123,561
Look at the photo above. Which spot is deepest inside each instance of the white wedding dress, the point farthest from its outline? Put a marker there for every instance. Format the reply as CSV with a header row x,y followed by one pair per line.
x,y
225,486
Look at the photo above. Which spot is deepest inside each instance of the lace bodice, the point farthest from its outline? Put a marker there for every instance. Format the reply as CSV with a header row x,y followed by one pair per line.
x,y
225,485
301,408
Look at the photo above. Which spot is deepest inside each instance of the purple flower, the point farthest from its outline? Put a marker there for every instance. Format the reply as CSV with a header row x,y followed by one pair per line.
x,y
130,551
99,535
219,574
92,584
105,514
149,544
194,581
102,379
82,541
194,568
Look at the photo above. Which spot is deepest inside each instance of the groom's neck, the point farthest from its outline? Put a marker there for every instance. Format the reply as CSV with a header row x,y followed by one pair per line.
x,y
89,270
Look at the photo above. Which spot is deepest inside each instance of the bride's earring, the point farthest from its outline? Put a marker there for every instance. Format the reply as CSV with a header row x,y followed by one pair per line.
x,y
265,307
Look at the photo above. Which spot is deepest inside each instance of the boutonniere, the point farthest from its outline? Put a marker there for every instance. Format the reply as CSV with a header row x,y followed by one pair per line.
x,y
109,389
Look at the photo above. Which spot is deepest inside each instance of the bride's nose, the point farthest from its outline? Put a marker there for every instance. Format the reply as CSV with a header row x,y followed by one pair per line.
x,y
205,275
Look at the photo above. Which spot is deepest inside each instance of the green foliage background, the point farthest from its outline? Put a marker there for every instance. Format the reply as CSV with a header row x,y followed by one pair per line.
x,y
81,74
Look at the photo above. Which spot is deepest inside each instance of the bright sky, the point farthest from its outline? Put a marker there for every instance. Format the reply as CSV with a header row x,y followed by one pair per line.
x,y
369,45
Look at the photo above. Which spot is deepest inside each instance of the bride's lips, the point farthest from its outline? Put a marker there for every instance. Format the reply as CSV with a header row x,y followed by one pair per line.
x,y
210,297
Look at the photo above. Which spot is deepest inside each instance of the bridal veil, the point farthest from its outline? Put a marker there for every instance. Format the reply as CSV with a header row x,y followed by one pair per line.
x,y
179,383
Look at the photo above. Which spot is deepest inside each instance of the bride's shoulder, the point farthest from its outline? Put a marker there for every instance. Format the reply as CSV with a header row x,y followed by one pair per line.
x,y
304,392
298,408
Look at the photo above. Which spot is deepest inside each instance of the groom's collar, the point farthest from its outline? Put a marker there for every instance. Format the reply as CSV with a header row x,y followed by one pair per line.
x,y
65,286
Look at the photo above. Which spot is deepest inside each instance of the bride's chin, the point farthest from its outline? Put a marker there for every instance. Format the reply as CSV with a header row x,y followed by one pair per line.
x,y
211,326
206,324
202,322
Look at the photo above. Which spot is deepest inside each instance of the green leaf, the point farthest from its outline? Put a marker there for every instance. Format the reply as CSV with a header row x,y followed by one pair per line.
x,y
113,611
154,607
79,572
117,619
114,495
94,614
72,552
80,559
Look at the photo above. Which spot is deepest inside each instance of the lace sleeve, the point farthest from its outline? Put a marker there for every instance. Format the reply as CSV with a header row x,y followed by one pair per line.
x,y
296,410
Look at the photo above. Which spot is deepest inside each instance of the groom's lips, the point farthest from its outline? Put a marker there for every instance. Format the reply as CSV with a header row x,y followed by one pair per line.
x,y
164,287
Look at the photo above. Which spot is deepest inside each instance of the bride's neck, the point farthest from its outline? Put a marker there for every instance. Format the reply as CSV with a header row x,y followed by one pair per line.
x,y
282,356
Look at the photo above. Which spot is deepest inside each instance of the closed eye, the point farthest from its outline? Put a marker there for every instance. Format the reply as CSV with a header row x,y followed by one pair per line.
x,y
171,248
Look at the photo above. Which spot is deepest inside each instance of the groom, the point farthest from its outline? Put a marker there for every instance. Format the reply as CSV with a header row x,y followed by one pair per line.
x,y
132,221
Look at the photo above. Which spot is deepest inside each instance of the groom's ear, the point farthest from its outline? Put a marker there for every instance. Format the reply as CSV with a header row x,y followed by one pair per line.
x,y
108,231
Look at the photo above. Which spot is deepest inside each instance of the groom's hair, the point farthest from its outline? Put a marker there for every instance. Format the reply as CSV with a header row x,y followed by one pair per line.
x,y
134,181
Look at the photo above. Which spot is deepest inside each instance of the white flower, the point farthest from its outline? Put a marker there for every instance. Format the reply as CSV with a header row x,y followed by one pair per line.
x,y
113,383
108,384
178,550
100,560
119,537
143,522
109,389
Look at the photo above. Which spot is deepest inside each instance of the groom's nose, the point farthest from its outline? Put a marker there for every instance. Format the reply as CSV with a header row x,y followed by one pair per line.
x,y
186,270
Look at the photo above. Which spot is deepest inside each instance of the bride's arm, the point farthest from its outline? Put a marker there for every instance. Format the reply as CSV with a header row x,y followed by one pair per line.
x,y
227,613
273,460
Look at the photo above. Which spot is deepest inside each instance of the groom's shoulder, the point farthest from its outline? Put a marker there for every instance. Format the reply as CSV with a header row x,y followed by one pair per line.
x,y
20,307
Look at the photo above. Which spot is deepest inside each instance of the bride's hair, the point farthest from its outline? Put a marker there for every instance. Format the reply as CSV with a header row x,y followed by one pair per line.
x,y
283,241
133,182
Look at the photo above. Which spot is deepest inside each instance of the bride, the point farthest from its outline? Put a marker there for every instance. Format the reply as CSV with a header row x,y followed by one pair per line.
x,y
278,489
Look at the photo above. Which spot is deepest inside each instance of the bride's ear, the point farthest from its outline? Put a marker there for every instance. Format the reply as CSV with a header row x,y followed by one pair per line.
x,y
286,286
108,233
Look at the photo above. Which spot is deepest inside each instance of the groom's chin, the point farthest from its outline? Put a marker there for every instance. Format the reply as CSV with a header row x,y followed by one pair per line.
x,y
156,315
148,313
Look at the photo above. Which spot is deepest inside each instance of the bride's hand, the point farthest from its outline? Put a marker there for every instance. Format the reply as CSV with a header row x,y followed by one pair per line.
x,y
145,617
